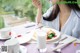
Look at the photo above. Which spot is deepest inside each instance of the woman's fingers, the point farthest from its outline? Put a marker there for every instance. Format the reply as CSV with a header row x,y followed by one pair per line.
x,y
36,3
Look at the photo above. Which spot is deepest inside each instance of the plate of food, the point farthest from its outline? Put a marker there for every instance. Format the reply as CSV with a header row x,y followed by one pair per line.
x,y
22,38
52,34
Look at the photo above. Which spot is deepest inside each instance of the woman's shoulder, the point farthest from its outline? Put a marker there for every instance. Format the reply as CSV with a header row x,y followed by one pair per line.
x,y
48,12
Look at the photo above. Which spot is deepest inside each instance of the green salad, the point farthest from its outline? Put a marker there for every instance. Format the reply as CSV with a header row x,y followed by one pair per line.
x,y
51,35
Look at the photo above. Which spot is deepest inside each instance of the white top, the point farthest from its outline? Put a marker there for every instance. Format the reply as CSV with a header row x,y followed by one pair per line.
x,y
71,27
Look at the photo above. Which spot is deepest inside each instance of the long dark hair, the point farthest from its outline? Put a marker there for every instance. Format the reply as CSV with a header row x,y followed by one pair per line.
x,y
55,11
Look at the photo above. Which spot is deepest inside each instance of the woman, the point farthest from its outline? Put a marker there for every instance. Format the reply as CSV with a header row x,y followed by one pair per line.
x,y
62,17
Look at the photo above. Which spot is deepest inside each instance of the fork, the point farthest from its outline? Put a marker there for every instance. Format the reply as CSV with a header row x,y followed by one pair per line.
x,y
56,44
60,41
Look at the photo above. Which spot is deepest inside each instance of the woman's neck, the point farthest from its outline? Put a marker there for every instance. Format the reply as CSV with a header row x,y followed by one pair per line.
x,y
64,9
64,14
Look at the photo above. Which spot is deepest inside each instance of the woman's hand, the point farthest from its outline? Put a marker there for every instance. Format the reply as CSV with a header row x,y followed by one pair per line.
x,y
37,4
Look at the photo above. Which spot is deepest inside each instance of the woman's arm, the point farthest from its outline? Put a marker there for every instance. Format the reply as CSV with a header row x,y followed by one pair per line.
x,y
39,15
38,5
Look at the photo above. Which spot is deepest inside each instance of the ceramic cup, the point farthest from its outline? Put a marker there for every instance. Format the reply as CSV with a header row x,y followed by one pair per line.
x,y
12,46
5,33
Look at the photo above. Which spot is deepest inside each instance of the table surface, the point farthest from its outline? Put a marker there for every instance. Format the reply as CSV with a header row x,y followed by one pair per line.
x,y
32,47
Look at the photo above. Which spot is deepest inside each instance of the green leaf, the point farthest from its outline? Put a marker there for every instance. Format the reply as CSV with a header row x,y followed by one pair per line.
x,y
50,36
53,35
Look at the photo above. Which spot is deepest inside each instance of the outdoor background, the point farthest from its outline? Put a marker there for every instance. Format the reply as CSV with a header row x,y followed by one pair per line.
x,y
21,8
25,7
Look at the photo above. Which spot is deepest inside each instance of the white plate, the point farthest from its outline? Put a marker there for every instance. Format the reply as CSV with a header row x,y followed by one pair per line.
x,y
24,38
53,39
23,49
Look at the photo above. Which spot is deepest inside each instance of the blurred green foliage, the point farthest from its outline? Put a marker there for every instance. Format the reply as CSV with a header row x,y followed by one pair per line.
x,y
25,7
1,22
